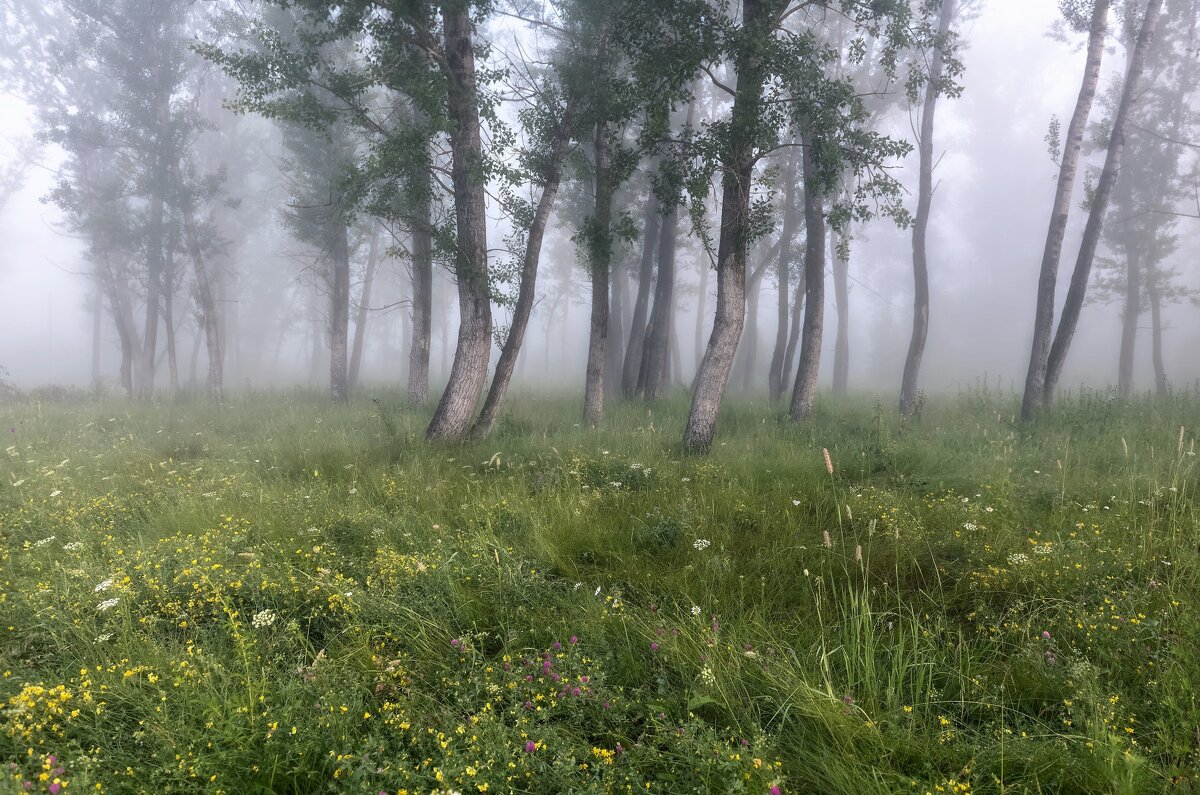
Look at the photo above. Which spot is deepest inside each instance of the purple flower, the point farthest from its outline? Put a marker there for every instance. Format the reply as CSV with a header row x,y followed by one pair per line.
x,y
1045,634
530,747
574,640
54,787
775,790
556,646
455,642
653,646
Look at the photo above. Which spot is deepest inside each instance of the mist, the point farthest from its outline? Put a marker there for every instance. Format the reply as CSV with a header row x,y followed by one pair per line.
x,y
993,189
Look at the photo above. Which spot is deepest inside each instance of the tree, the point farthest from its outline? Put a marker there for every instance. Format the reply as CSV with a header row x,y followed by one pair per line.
x,y
1099,203
1043,323
933,88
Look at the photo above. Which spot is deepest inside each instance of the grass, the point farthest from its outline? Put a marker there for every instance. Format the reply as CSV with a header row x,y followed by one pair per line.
x,y
288,596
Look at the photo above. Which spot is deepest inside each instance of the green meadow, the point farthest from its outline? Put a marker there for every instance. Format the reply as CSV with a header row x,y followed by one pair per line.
x,y
282,595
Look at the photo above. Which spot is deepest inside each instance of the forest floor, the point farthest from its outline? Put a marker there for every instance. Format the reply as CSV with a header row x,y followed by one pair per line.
x,y
288,596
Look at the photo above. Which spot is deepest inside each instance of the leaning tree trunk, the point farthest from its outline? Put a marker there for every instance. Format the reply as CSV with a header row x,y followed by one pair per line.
x,y
1129,319
339,307
1043,321
737,181
526,292
422,289
775,376
1095,223
805,389
920,330
634,351
364,308
599,259
452,418
657,348
841,300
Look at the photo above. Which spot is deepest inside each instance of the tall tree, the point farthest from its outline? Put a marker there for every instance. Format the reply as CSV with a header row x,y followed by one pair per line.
x,y
933,89
1099,203
1043,323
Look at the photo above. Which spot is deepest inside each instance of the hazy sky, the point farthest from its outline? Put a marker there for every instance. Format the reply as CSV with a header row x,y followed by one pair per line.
x,y
989,220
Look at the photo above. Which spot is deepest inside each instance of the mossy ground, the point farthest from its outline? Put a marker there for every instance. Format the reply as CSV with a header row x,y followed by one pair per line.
x,y
287,596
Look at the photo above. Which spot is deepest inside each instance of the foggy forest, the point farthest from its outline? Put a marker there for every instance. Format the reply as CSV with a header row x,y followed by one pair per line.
x,y
599,395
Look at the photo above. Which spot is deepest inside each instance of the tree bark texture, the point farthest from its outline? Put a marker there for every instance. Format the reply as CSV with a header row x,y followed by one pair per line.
x,y
599,260
455,411
364,308
632,365
805,389
739,159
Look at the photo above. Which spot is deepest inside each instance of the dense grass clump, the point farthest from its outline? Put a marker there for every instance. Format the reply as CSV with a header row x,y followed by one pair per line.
x,y
287,596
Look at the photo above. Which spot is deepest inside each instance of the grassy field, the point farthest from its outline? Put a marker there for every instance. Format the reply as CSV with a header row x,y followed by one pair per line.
x,y
286,596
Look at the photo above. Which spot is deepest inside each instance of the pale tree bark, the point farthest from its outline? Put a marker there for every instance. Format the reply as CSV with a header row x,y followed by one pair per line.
x,y
701,310
526,292
805,389
599,259
1043,321
338,253
632,366
455,411
169,288
775,375
364,307
920,330
738,164
615,347
155,240
653,382
1095,223
97,326
748,345
1129,319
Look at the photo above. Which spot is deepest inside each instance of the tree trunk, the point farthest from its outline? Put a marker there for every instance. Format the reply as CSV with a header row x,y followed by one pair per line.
x,y
364,307
97,326
1129,320
452,418
339,308
637,331
209,308
156,238
749,342
1155,295
1095,222
526,292
775,375
615,347
1043,322
169,288
789,355
920,330
841,299
805,389
599,259
422,292
739,159
701,307
657,349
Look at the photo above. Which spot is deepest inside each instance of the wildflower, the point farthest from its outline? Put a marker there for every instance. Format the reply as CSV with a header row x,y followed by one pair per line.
x,y
74,546
827,542
1018,559
828,460
43,542
107,604
1045,634
573,640
858,553
653,646
970,526
103,586
55,493
263,619
530,747
696,610
107,636
701,544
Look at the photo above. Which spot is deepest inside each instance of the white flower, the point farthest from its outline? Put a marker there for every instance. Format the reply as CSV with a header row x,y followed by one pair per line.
x,y
696,610
970,526
616,484
43,542
701,544
103,586
989,509
685,480
107,604
107,636
1018,559
74,546
707,676
1043,550
55,493
263,619
597,593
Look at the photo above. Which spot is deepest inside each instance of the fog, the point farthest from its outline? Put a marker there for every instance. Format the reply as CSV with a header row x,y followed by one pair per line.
x,y
994,178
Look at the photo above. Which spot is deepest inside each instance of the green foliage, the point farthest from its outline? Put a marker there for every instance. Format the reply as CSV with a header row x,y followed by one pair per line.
x,y
285,595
